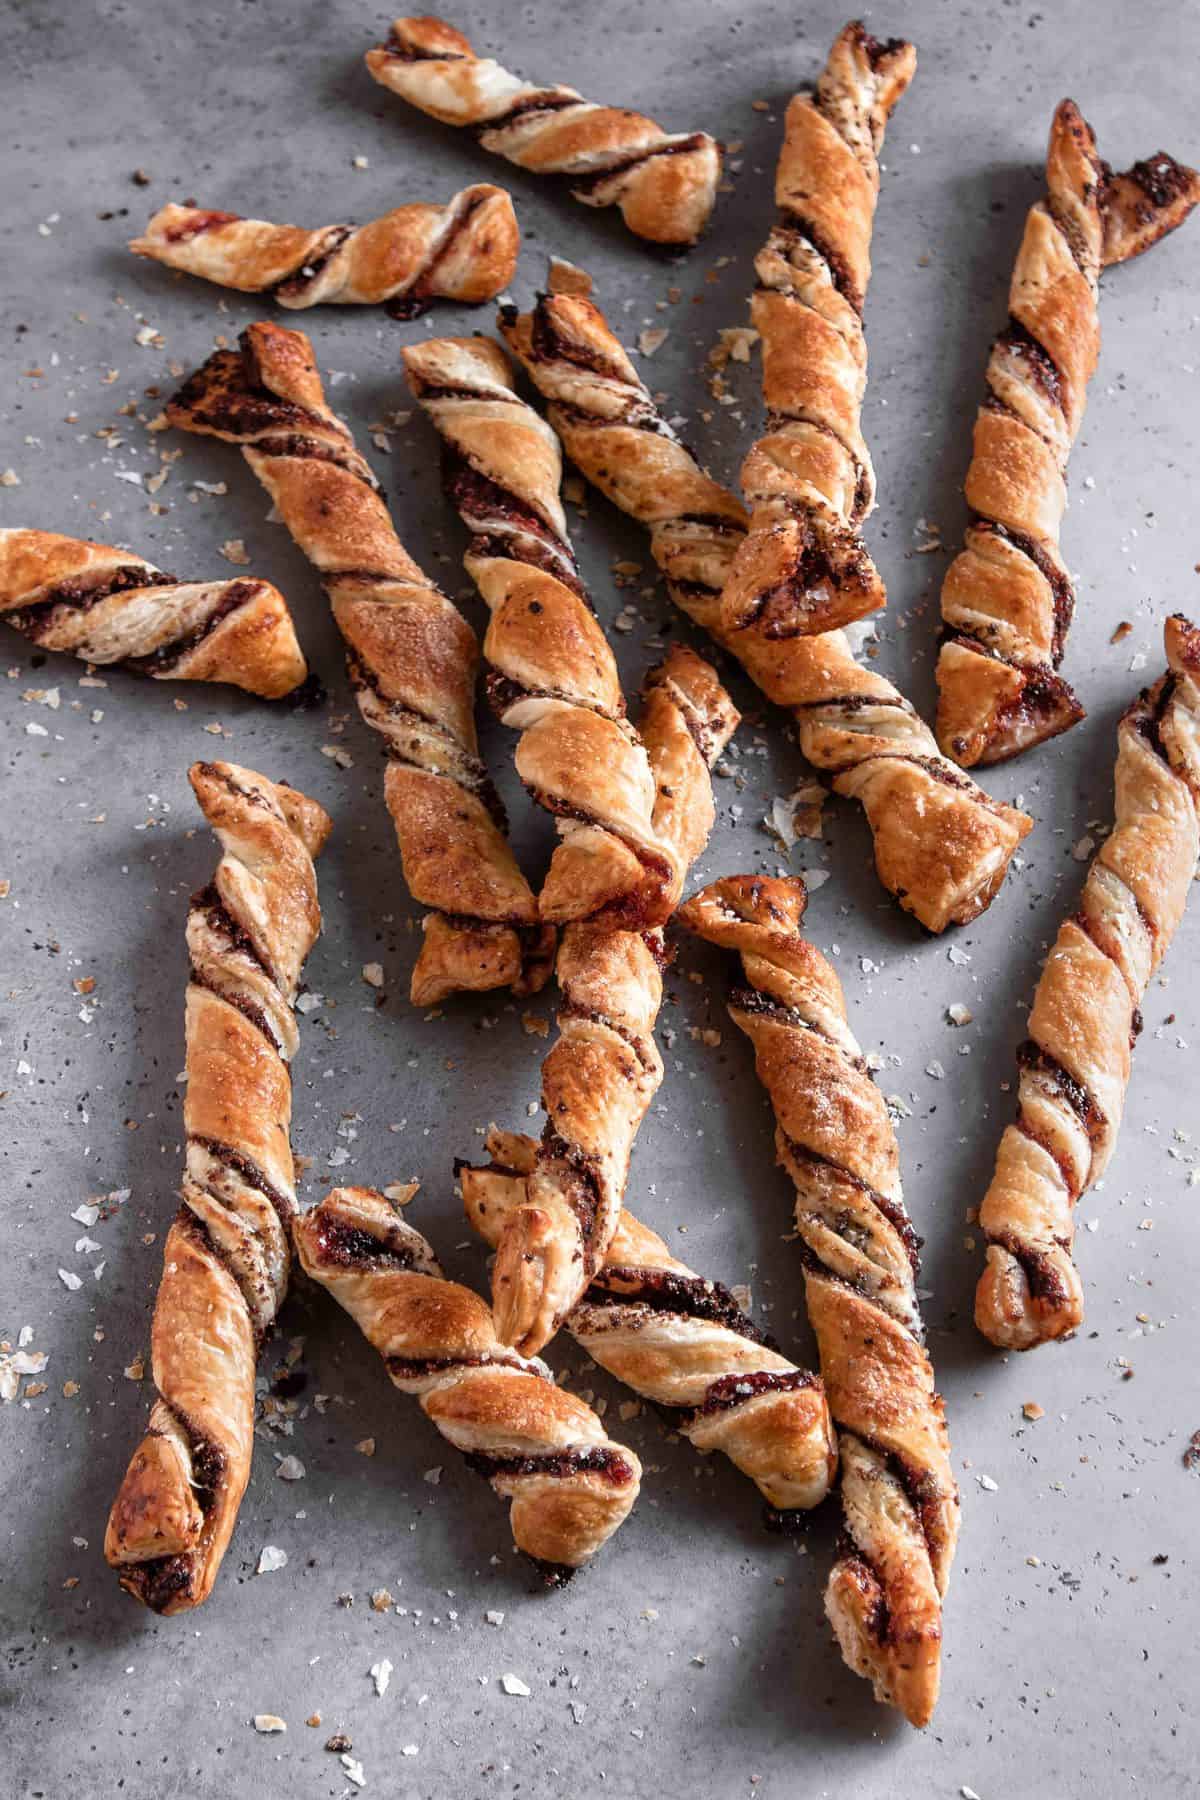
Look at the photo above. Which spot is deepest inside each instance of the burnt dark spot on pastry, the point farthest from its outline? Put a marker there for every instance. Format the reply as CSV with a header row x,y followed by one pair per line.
x,y
561,1465
787,1521
731,1390
294,286
552,1575
1033,1057
81,594
667,1291
250,1172
168,657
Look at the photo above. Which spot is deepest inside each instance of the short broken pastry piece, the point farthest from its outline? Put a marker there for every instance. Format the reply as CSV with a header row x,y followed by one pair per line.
x,y
664,182
227,1257
1007,598
464,251
682,1342
835,1139
411,656
542,1448
1075,1064
942,845
109,607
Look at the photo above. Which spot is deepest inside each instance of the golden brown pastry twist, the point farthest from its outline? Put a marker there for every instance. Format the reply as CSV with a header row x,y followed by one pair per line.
x,y
834,1137
1075,1064
464,251
411,656
664,182
942,845
540,1447
1007,598
227,1256
110,607
682,1341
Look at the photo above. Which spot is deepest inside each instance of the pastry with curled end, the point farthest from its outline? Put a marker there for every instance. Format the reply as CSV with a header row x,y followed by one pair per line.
x,y
542,1448
109,607
835,1139
227,1258
681,1341
1075,1064
464,251
665,183
411,655
1008,597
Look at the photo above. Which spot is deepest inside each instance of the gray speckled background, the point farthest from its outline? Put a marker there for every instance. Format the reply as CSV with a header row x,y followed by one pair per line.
x,y
692,1658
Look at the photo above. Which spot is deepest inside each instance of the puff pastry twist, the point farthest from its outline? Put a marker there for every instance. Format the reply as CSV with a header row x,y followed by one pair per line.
x,y
1007,598
110,607
664,182
942,845
464,251
682,1341
543,1449
835,1139
227,1257
1075,1064
412,659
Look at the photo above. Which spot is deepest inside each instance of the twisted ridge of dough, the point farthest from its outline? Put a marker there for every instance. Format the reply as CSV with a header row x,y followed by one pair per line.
x,y
110,607
411,655
808,481
836,1141
682,1341
227,1257
1075,1065
541,1448
1008,598
665,183
942,845
465,250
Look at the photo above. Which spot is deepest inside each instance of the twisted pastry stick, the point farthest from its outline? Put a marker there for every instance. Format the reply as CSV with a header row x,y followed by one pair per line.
x,y
664,182
1007,598
464,251
227,1259
942,845
554,676
410,653
540,1447
681,1341
1075,1065
108,606
836,1141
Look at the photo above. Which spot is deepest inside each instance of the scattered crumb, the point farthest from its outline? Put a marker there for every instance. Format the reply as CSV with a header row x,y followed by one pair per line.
x,y
269,1722
1032,1410
234,551
568,278
512,1684
652,339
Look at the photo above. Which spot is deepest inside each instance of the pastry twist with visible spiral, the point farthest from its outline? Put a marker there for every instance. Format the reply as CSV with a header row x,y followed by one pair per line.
x,y
227,1257
835,1139
412,659
542,1448
664,182
1075,1065
1007,598
464,251
942,845
111,607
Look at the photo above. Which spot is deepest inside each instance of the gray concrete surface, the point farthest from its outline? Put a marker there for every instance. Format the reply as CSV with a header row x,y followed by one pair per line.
x,y
692,1658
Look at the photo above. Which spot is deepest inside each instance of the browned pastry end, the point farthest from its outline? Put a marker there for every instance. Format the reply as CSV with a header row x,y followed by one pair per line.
x,y
1075,1064
465,250
110,607
1007,599
942,845
543,1449
664,182
835,1138
227,1257
412,659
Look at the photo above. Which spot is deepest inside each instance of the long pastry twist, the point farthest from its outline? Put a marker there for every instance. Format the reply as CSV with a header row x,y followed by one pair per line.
x,y
1075,1064
942,845
682,1341
412,659
664,182
465,250
541,1448
834,1137
1007,598
227,1257
111,607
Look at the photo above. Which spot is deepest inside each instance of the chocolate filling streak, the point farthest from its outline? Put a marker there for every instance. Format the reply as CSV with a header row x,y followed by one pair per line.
x,y
544,100
626,914
779,421
82,594
241,1003
610,1465
1041,368
795,224
549,345
587,184
198,224
411,304
477,496
245,1166
583,1189
891,1210
666,1291
414,1368
731,1390
169,656
294,285
1045,1281
468,771
756,1004
1032,1056
341,1245
572,1009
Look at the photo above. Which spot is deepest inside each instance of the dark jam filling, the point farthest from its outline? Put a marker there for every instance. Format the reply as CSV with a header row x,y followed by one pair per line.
x,y
1031,1056
1041,367
731,1390
839,268
587,184
1045,1281
560,1464
198,224
251,1174
1062,593
169,656
208,901
547,344
476,496
415,1368
414,302
292,286
82,594
666,1291
345,1246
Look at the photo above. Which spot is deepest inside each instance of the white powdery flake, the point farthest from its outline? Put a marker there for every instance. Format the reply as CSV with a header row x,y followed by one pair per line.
x,y
958,1014
815,878
309,1003
86,1215
353,1770
72,1282
269,1722
512,1684
958,957
290,1469
381,1674
936,1070
271,1557
987,1484
410,1750
494,1618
